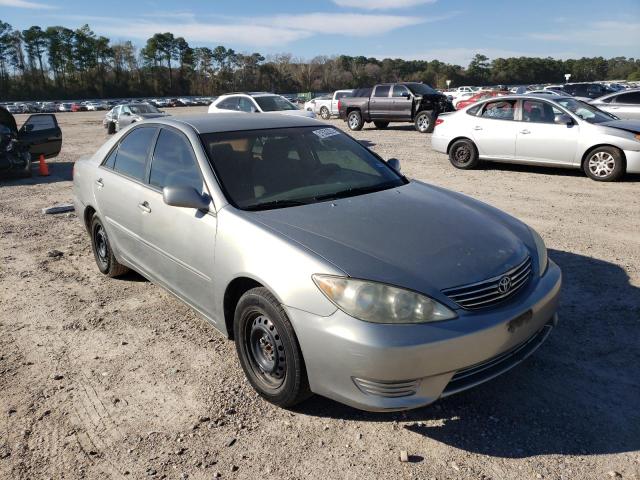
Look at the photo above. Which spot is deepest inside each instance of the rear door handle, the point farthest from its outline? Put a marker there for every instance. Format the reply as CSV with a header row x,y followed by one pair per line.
x,y
525,132
99,183
477,127
144,206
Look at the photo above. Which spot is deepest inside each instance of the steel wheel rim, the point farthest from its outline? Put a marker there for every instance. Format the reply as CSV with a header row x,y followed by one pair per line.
x,y
100,241
266,351
423,122
462,154
602,164
353,121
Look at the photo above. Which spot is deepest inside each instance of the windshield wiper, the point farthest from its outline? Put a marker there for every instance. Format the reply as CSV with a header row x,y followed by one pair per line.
x,y
276,204
351,192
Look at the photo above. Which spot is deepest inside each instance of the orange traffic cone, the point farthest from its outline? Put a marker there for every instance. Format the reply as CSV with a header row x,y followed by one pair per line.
x,y
43,168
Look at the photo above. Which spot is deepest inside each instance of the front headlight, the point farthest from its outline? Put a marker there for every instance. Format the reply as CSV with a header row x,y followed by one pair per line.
x,y
380,303
543,259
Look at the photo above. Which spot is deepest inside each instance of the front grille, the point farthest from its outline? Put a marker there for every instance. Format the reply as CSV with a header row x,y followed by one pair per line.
x,y
494,290
387,389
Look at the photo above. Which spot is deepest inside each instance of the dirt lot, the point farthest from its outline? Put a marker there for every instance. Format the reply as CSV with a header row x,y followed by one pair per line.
x,y
103,378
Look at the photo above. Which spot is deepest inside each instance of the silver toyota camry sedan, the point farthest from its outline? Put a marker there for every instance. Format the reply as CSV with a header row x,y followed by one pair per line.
x,y
332,272
549,131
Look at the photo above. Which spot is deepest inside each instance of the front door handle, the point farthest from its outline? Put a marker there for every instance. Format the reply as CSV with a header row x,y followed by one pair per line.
x,y
525,132
144,206
99,183
477,127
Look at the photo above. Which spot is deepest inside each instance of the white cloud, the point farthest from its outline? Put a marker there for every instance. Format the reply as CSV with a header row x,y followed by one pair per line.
x,y
380,4
606,33
25,4
267,31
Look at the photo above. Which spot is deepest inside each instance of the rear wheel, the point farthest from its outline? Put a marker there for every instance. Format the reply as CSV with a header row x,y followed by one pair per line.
x,y
381,125
463,154
424,122
604,164
324,113
105,259
268,349
354,120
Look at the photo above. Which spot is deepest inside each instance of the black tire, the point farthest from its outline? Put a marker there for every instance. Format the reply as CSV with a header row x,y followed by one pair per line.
x,y
324,113
261,327
111,128
354,120
425,122
381,125
463,154
102,252
604,164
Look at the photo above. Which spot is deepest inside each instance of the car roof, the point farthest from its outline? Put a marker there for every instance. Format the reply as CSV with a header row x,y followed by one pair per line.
x,y
250,94
551,98
237,121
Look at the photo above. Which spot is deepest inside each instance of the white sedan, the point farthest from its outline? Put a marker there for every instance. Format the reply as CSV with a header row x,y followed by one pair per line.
x,y
256,102
551,131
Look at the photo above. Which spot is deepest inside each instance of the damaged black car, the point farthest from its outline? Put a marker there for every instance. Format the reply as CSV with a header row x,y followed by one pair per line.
x,y
39,135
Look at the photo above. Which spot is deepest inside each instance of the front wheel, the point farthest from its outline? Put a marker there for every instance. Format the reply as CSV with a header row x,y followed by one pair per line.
x,y
604,164
354,120
324,113
111,128
424,122
463,154
268,349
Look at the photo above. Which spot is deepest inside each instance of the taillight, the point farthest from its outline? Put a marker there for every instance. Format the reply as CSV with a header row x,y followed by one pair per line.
x,y
439,121
338,105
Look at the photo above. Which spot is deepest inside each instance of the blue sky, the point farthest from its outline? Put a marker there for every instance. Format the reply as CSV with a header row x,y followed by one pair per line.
x,y
449,30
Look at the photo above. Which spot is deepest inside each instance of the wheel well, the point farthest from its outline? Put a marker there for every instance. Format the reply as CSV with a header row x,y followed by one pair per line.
x,y
459,138
586,154
88,215
349,110
238,287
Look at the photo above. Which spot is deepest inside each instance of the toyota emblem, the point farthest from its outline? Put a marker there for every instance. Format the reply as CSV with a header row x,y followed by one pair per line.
x,y
504,285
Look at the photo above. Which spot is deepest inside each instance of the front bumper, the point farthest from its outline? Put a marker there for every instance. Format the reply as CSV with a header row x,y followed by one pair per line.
x,y
633,161
397,367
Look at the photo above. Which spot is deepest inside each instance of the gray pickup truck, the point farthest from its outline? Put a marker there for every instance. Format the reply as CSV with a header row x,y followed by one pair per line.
x,y
413,102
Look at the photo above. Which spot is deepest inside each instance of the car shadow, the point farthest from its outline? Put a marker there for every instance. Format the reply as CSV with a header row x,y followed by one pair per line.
x,y
566,172
397,127
577,395
58,172
367,143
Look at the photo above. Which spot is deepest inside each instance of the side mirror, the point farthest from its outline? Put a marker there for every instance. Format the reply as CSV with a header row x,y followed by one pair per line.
x,y
126,114
28,127
394,163
406,95
563,119
185,197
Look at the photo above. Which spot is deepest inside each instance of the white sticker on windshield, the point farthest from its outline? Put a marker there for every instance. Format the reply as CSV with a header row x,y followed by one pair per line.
x,y
326,132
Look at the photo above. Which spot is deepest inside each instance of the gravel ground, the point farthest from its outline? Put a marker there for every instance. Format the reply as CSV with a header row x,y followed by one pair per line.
x,y
104,378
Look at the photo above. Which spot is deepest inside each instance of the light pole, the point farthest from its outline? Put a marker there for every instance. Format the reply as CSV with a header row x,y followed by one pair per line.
x,y
448,83
567,76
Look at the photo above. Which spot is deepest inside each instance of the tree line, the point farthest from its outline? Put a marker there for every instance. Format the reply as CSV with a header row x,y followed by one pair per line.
x,y
60,63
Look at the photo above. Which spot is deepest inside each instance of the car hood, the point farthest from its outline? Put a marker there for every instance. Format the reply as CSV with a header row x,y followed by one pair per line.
x,y
632,126
414,236
151,115
302,113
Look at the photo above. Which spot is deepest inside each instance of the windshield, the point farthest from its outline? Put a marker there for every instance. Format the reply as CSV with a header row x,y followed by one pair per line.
x,y
143,108
274,103
585,111
262,169
421,89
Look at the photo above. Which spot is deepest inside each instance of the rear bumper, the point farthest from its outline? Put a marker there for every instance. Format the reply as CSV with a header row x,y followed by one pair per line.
x,y
397,367
439,143
633,161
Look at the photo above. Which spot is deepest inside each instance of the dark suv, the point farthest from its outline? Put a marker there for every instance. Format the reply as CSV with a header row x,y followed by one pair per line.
x,y
590,90
413,102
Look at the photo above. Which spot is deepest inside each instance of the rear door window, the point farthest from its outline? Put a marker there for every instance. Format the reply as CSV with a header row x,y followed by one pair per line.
x,y
631,98
499,110
133,151
382,91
